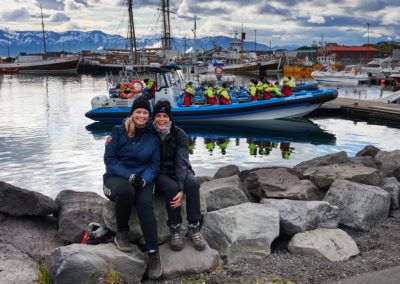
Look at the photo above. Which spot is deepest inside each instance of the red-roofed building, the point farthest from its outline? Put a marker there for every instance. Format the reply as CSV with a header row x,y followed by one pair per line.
x,y
348,54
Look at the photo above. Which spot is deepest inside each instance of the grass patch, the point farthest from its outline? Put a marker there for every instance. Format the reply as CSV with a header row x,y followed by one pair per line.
x,y
44,275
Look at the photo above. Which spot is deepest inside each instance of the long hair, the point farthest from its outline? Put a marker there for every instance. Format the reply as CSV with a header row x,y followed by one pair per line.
x,y
130,127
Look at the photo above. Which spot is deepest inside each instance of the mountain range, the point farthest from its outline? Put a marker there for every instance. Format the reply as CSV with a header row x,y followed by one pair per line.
x,y
13,43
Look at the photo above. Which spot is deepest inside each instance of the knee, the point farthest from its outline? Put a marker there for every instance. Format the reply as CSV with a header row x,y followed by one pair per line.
x,y
191,185
126,193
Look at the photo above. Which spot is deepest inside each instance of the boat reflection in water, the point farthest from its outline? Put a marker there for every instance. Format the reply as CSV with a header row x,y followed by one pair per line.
x,y
262,139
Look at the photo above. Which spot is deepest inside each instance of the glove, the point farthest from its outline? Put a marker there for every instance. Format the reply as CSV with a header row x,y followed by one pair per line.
x,y
138,182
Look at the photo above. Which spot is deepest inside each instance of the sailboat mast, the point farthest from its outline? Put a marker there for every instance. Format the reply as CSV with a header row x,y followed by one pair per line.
x,y
132,36
195,39
44,37
166,38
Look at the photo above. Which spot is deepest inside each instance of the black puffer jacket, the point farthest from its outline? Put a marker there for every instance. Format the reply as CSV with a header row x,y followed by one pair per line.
x,y
175,155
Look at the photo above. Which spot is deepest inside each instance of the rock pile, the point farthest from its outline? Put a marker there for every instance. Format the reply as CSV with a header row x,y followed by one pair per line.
x,y
244,212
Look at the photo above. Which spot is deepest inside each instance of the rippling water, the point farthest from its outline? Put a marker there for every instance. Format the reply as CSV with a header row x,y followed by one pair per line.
x,y
48,145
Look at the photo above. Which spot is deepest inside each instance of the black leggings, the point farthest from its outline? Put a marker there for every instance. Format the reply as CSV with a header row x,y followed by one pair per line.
x,y
169,187
125,196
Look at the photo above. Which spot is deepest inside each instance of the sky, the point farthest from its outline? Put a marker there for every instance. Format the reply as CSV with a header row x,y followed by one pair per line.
x,y
283,22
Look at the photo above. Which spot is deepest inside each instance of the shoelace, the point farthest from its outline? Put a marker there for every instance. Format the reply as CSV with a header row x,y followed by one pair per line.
x,y
175,236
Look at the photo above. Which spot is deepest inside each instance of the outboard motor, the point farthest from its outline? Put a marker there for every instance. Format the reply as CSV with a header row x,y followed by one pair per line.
x,y
99,101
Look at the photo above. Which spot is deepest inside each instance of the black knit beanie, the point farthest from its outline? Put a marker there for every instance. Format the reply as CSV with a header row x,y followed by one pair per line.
x,y
164,107
140,102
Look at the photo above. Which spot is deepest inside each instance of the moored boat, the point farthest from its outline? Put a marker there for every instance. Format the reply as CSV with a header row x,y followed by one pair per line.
x,y
37,64
115,108
350,75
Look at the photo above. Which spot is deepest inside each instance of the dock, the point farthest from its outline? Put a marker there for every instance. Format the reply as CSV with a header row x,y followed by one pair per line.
x,y
371,110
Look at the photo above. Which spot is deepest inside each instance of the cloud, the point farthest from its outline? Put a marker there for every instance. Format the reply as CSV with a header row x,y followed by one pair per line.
x,y
51,4
59,17
317,20
17,15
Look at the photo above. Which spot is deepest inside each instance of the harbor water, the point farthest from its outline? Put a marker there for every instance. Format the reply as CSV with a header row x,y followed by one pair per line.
x,y
48,145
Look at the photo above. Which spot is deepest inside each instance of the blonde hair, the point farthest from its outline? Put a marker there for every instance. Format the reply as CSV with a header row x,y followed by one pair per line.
x,y
130,127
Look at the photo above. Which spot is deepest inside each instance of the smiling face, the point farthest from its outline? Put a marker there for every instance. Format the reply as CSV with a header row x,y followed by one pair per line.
x,y
161,120
140,116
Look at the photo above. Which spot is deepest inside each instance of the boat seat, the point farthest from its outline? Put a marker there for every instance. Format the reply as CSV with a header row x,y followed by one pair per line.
x,y
199,100
243,99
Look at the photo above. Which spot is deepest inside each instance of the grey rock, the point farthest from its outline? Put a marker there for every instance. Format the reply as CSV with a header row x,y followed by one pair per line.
x,y
19,202
337,158
76,211
223,192
324,176
388,162
33,235
280,183
242,231
201,179
16,267
332,244
392,186
368,150
78,263
300,216
360,206
188,260
366,161
396,172
160,212
227,171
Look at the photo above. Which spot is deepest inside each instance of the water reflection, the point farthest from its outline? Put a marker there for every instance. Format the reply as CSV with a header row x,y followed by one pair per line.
x,y
260,138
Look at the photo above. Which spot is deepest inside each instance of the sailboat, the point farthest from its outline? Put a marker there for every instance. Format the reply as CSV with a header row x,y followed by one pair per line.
x,y
42,64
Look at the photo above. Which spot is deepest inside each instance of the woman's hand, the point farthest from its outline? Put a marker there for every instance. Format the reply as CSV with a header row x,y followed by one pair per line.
x,y
177,200
108,140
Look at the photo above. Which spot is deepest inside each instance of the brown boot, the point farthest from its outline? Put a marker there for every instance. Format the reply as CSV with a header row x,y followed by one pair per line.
x,y
176,238
196,237
154,268
122,241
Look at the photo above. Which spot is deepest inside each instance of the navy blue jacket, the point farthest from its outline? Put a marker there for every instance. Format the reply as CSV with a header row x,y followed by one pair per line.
x,y
139,155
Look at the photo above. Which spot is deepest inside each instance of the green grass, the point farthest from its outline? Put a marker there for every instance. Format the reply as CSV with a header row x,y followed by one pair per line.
x,y
44,275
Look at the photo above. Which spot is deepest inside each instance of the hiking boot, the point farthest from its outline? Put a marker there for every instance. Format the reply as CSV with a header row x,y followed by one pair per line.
x,y
122,241
176,239
154,268
196,237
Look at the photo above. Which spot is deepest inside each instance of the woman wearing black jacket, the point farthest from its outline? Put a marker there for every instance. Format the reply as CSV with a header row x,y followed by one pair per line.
x,y
176,177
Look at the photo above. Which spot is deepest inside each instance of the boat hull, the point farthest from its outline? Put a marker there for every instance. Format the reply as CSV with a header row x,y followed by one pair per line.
x,y
255,112
44,66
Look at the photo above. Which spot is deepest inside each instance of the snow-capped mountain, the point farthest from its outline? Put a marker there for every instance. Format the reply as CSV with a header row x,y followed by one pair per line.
x,y
15,42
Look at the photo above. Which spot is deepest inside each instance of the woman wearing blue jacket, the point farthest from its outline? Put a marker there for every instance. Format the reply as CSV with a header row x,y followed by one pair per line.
x,y
132,160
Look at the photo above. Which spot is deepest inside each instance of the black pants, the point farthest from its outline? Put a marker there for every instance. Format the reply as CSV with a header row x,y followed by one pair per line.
x,y
169,187
125,196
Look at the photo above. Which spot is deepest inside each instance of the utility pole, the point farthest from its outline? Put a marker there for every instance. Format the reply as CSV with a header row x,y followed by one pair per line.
x,y
368,24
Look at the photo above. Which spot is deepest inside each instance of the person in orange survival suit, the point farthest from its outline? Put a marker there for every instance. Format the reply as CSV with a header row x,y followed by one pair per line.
x,y
189,93
287,86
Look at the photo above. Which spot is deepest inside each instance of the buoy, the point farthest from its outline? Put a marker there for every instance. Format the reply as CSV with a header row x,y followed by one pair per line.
x,y
382,82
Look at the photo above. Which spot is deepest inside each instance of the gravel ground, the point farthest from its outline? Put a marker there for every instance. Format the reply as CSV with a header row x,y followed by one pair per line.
x,y
379,249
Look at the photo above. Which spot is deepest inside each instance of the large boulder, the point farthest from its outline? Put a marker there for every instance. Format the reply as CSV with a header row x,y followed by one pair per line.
x,y
324,176
369,150
280,183
227,171
337,158
366,161
299,216
223,192
360,206
75,211
202,179
188,260
17,267
332,244
392,186
78,263
242,231
33,235
19,201
160,211
388,162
